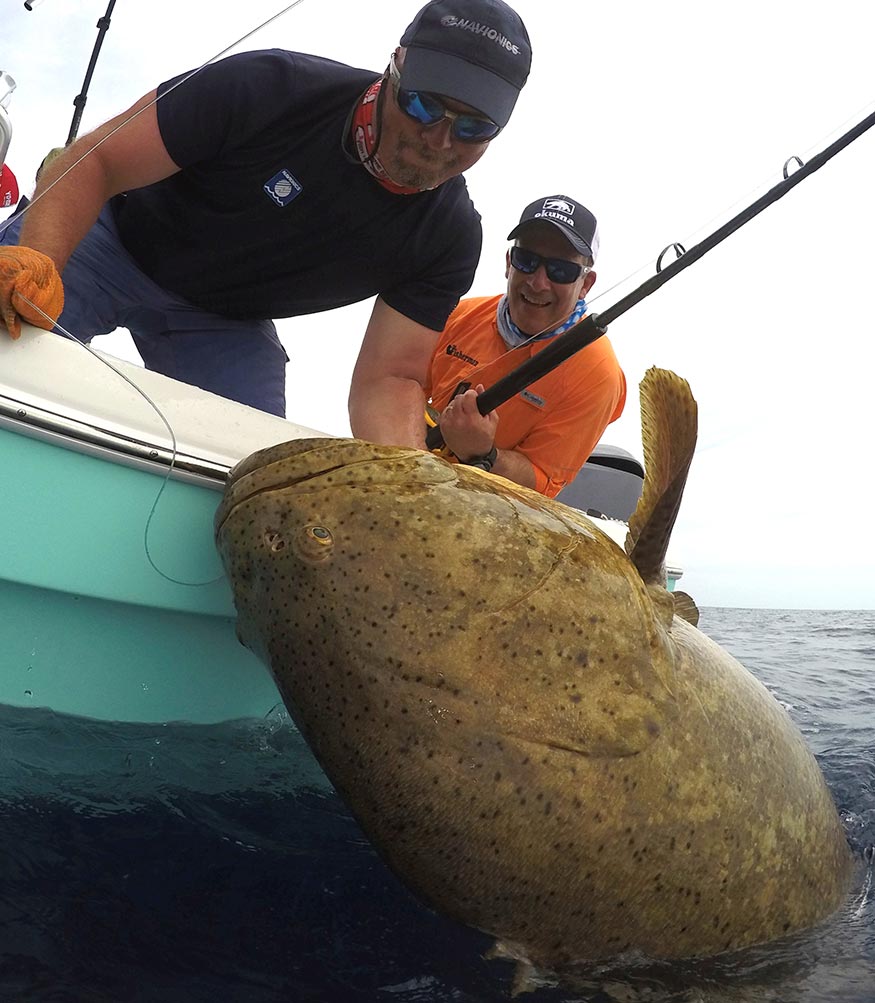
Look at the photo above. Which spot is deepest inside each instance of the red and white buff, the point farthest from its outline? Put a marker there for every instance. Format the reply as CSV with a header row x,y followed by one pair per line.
x,y
365,136
8,188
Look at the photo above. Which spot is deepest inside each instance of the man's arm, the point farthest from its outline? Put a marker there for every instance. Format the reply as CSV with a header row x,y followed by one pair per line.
x,y
130,158
515,466
386,398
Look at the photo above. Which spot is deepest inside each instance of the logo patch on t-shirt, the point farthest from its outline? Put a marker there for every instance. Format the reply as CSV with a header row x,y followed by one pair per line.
x,y
283,187
527,395
457,352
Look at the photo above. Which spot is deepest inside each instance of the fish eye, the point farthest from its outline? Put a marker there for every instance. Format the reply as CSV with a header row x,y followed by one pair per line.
x,y
314,544
320,534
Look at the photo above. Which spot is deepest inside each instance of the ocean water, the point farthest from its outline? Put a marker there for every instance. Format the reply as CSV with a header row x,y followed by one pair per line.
x,y
179,864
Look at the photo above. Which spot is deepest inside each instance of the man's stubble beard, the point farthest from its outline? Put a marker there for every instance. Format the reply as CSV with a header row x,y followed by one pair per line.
x,y
421,176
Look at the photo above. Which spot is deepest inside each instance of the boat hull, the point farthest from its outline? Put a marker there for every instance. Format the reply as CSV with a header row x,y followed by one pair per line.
x,y
94,624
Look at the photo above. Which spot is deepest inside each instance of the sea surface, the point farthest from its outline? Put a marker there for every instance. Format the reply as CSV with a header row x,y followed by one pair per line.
x,y
180,864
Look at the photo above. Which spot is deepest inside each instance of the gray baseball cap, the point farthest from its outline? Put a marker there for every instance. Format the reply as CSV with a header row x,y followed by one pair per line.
x,y
474,51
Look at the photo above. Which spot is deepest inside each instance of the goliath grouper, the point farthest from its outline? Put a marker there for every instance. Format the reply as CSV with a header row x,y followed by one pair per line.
x,y
526,729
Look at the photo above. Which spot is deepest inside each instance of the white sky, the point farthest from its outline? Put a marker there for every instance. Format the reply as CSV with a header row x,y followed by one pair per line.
x,y
665,119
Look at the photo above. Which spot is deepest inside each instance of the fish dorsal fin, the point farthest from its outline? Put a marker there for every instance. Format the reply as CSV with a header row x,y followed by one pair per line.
x,y
685,608
669,423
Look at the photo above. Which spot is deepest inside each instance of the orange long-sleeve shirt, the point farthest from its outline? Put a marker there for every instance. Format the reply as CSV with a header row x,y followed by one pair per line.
x,y
557,420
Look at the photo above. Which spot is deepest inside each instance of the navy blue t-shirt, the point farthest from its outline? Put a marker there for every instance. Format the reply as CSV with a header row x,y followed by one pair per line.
x,y
268,218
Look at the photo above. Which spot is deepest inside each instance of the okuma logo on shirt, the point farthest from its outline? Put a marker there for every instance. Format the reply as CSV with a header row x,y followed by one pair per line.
x,y
283,188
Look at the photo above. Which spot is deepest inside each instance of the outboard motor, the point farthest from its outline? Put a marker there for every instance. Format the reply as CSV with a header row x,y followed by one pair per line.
x,y
608,484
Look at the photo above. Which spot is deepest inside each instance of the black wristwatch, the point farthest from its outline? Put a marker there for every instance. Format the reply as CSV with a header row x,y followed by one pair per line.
x,y
484,462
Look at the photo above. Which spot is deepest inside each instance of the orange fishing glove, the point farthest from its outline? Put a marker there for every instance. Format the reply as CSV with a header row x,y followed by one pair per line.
x,y
30,274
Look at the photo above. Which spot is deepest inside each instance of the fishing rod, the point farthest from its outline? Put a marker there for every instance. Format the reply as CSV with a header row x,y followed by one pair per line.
x,y
80,99
593,326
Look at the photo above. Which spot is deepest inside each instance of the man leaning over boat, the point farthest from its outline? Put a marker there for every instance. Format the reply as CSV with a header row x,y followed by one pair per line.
x,y
275,184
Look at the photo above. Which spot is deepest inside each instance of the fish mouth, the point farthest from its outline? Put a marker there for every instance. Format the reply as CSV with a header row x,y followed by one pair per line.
x,y
322,462
322,455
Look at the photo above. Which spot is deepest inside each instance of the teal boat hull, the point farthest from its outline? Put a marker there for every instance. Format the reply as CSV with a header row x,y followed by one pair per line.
x,y
93,622
113,601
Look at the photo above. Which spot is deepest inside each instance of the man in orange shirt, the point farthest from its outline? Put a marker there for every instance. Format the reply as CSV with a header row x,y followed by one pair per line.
x,y
542,436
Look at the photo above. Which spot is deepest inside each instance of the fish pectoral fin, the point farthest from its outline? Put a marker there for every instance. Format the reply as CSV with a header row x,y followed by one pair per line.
x,y
610,726
685,608
663,604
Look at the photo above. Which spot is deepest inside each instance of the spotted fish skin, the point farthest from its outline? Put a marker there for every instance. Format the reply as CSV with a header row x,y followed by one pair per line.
x,y
530,738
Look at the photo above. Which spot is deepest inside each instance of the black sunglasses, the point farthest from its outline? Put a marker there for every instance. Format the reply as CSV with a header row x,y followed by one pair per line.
x,y
428,109
557,269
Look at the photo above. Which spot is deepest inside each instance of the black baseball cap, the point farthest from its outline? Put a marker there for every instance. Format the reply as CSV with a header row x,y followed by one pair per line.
x,y
575,221
474,51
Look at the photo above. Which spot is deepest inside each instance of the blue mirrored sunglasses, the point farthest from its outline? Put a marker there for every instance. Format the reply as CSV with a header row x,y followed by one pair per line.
x,y
558,269
428,109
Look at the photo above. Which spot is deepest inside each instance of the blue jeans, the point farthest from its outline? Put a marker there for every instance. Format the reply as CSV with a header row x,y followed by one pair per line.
x,y
104,289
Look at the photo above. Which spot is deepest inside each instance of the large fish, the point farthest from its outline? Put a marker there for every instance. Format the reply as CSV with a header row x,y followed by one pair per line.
x,y
508,703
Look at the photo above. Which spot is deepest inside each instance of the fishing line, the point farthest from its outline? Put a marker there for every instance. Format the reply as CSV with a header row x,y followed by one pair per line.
x,y
57,327
434,440
156,408
757,189
594,325
7,222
